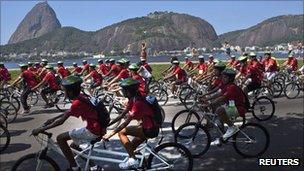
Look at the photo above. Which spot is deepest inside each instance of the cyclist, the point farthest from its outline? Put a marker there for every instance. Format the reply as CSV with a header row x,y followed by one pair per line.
x,y
114,69
5,76
252,75
52,85
254,62
134,74
72,87
170,68
37,66
216,79
61,70
123,74
29,81
86,68
202,68
210,61
291,64
270,67
31,67
188,64
76,69
137,109
145,64
231,104
232,63
102,68
96,78
145,71
180,77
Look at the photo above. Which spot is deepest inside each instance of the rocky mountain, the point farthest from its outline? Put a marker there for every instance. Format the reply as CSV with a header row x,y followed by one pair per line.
x,y
160,30
39,21
280,29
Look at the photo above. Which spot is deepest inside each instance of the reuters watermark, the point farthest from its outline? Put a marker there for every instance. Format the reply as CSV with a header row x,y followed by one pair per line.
x,y
279,162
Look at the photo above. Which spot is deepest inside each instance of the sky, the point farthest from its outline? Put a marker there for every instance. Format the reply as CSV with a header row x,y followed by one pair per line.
x,y
224,16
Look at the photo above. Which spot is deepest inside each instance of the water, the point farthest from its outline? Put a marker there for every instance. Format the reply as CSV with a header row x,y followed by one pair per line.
x,y
133,59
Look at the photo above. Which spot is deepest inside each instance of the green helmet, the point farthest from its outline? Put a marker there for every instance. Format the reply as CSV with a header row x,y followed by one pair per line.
x,y
243,58
229,72
175,62
30,63
252,54
44,60
23,65
220,65
71,82
121,61
129,83
49,67
92,65
60,62
134,67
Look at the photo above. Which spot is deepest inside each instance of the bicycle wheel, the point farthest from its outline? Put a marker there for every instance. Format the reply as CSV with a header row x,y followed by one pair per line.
x,y
114,113
252,140
32,162
13,100
263,108
183,117
264,91
62,102
194,137
185,90
171,156
292,90
277,89
32,98
5,138
10,110
3,119
161,96
190,99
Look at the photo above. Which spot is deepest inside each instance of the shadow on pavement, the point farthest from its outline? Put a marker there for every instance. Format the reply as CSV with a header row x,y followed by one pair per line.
x,y
22,119
44,111
16,132
16,147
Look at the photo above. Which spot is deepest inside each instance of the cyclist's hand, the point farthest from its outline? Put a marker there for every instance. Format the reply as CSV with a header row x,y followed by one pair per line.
x,y
36,131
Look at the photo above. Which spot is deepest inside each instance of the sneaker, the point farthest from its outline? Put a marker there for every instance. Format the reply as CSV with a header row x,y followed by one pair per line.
x,y
230,131
216,142
129,164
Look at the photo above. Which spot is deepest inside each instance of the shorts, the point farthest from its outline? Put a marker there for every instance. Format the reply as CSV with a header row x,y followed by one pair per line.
x,y
82,136
253,86
94,85
270,75
179,82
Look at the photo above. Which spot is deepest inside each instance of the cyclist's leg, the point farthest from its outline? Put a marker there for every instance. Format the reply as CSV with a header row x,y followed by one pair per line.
x,y
44,92
221,112
66,150
23,99
135,131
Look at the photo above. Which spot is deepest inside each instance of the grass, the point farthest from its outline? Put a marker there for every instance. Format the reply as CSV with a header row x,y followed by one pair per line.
x,y
157,69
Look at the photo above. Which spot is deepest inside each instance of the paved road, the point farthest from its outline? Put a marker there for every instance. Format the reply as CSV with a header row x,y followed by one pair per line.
x,y
285,129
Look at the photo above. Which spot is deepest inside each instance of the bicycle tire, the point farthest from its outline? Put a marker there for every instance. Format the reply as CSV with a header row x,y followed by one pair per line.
x,y
292,87
185,90
180,148
277,89
32,98
187,120
161,96
62,103
11,111
14,100
189,100
4,133
188,133
260,101
3,119
47,159
242,128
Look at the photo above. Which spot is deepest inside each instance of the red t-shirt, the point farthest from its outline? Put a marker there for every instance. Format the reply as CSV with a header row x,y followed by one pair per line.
x,y
270,65
253,72
51,80
142,85
104,69
124,73
202,67
86,68
179,73
4,74
115,69
32,69
44,72
29,78
97,78
218,82
189,64
87,113
147,66
78,69
292,62
63,72
232,92
140,110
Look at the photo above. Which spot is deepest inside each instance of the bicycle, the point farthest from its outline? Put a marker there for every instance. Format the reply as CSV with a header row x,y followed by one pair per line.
x,y
4,138
158,158
9,110
293,88
60,101
196,137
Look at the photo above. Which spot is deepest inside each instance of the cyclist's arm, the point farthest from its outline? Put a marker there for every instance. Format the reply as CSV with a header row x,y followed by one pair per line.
x,y
38,85
119,128
122,115
18,79
59,120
